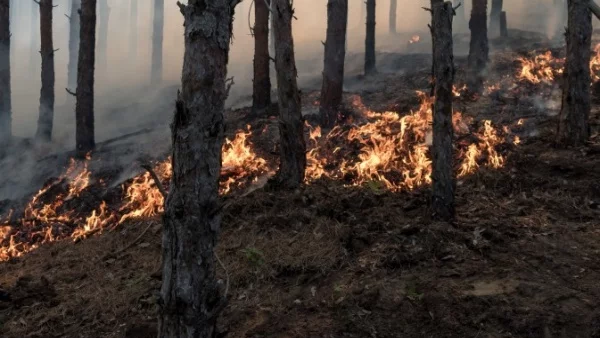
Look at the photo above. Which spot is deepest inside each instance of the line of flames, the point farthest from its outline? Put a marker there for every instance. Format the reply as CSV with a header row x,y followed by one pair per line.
x,y
392,153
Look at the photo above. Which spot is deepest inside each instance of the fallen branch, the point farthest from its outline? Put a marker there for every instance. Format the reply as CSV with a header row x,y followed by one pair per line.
x,y
157,181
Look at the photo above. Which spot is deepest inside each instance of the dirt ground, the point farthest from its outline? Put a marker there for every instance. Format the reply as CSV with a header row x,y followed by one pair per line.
x,y
326,260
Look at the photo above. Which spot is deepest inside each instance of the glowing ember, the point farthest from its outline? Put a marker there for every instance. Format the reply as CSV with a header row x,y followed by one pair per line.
x,y
457,91
414,39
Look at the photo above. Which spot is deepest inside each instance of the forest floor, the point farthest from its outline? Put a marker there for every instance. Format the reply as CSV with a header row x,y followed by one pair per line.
x,y
327,260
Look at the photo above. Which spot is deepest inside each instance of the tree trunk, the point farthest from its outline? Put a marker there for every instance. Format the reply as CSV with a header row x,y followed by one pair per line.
x,y
190,296
291,126
370,39
35,37
261,86
84,109
393,11
503,25
133,32
443,73
574,125
479,48
272,41
495,18
157,42
102,48
5,85
46,118
335,54
73,43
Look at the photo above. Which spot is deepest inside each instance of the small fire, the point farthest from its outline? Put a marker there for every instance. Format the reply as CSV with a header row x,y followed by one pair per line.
x,y
414,39
541,68
457,91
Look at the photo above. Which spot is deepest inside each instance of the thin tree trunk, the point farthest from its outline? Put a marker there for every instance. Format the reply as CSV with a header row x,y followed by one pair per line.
x,y
14,13
157,41
479,48
133,32
102,48
495,18
46,118
443,74
5,83
393,11
73,43
574,125
335,54
503,25
261,86
272,41
190,296
35,37
291,126
370,39
84,109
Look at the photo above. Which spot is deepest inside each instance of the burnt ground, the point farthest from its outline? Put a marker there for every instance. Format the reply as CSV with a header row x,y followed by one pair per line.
x,y
521,260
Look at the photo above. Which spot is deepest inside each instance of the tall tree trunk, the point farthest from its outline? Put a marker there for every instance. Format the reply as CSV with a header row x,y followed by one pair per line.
x,y
574,125
157,41
133,32
14,13
261,86
190,296
35,37
5,83
272,41
84,109
495,18
479,48
443,133
292,162
370,39
393,11
335,54
73,43
102,48
46,118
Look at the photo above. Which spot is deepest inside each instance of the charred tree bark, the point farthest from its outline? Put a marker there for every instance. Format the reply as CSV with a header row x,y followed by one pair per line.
x,y
479,48
393,11
157,41
443,73
292,163
35,37
261,86
335,55
5,82
495,18
102,48
46,117
84,108
574,125
190,296
370,39
133,31
73,43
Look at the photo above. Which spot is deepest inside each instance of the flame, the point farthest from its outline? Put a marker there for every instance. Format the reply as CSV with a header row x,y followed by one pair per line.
x,y
457,91
414,39
544,68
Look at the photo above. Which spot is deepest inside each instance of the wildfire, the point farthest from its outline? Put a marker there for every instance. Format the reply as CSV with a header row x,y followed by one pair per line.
x,y
457,91
414,39
544,68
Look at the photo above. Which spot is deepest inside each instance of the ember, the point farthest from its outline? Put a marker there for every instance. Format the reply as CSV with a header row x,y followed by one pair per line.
x,y
414,39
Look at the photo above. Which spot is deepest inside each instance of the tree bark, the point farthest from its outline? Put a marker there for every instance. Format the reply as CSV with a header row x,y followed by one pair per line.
x,y
133,31
102,48
393,11
261,86
5,82
443,132
46,117
574,126
292,163
84,108
157,42
495,18
479,48
335,54
503,25
370,39
73,43
190,296
35,37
